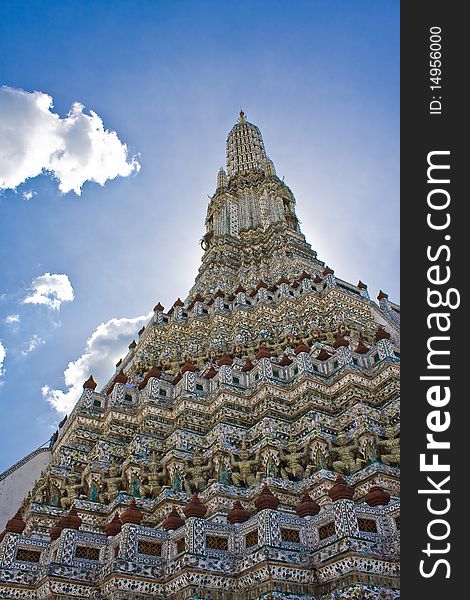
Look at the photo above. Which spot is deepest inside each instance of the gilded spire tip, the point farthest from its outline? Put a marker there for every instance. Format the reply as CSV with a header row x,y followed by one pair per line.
x,y
242,118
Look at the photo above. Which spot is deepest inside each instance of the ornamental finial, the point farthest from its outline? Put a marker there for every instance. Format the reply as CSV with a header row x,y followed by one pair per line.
x,y
242,118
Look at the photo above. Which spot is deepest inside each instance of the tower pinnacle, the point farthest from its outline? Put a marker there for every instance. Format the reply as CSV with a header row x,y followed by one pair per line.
x,y
252,230
245,149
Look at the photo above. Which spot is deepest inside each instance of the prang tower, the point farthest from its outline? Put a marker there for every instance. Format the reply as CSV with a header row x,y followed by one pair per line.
x,y
247,445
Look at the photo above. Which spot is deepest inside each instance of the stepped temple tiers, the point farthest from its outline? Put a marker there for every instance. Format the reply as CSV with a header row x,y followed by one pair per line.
x,y
247,445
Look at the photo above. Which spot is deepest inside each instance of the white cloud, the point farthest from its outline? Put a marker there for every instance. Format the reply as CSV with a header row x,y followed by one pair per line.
x,y
33,343
3,354
27,195
51,290
106,345
75,149
12,319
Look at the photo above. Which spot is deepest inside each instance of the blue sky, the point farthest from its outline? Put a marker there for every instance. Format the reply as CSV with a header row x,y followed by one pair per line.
x,y
320,79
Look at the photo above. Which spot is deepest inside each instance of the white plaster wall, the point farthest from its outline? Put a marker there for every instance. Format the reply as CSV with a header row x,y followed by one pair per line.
x,y
16,482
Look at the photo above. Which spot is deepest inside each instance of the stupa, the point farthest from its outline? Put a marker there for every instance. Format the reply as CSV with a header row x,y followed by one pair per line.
x,y
273,387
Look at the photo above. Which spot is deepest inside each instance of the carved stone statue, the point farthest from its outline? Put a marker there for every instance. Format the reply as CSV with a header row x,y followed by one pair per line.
x,y
221,469
317,452
93,479
154,478
271,467
177,481
54,492
196,479
269,461
392,447
293,458
319,461
134,481
346,453
224,475
41,494
115,482
94,491
246,474
369,447
73,486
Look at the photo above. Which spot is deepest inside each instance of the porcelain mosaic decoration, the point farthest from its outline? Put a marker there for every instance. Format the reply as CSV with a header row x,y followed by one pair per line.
x,y
248,444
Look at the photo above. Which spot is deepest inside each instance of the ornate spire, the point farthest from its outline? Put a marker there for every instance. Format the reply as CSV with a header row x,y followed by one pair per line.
x,y
252,230
245,149
222,180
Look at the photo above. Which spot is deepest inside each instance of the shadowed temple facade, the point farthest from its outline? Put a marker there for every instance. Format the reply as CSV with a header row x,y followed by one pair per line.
x,y
247,445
